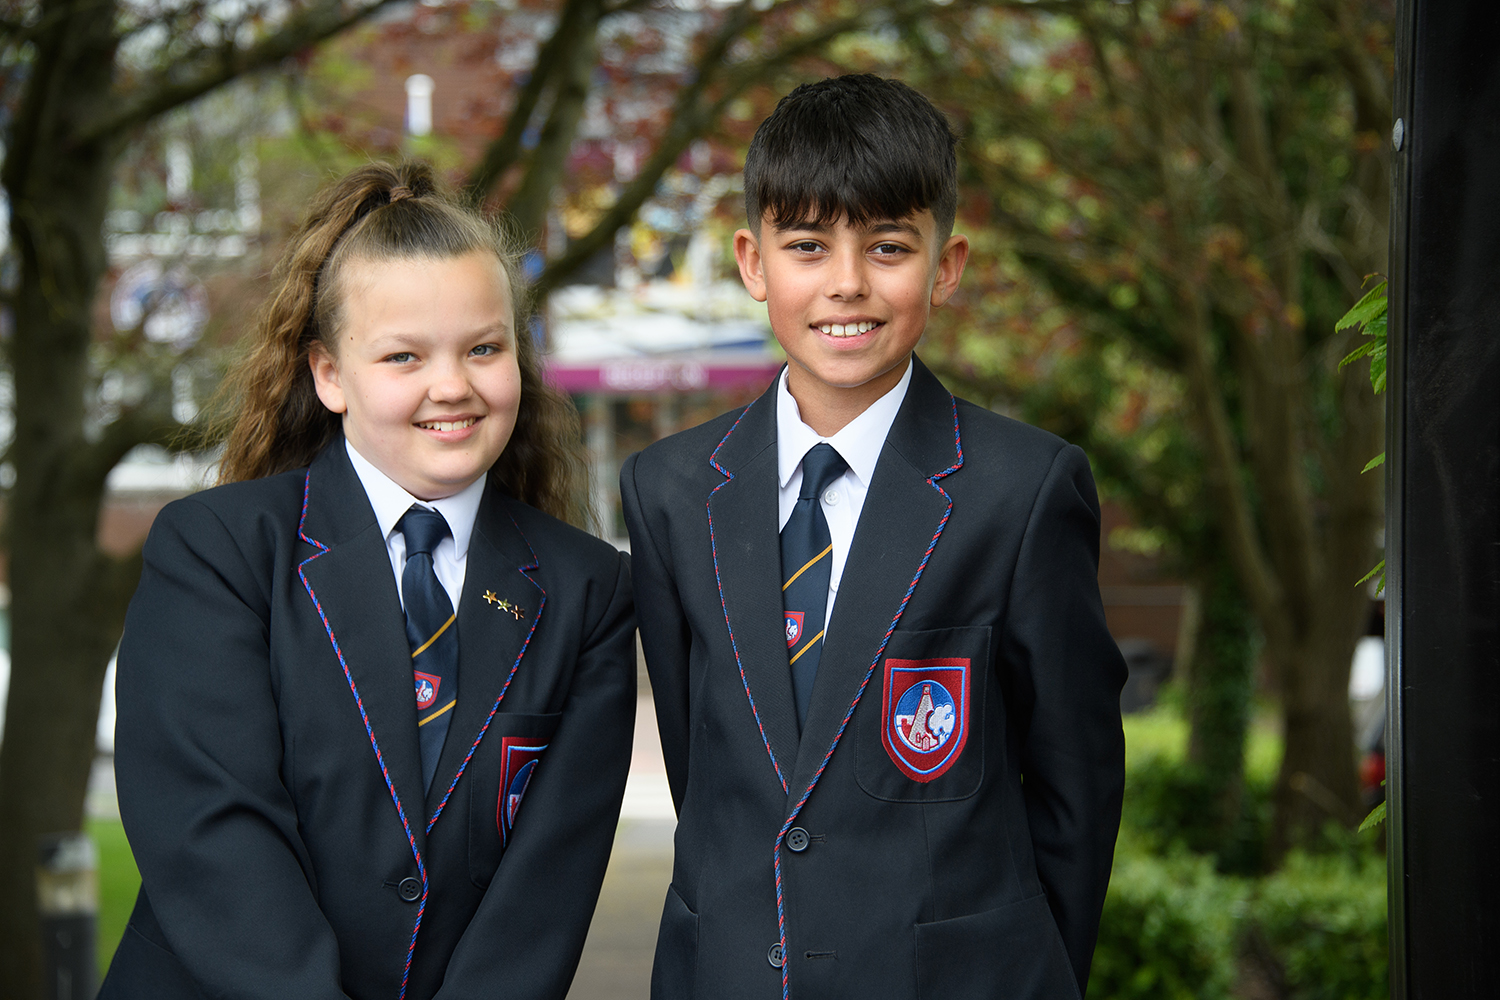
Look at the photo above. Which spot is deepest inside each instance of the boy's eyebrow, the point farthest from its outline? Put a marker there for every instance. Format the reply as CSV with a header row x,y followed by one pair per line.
x,y
871,228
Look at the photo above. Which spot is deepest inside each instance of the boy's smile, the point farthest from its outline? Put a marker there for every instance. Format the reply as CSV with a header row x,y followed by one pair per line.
x,y
848,303
426,374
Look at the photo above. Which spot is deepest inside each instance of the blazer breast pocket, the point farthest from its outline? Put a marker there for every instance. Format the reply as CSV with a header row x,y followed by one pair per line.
x,y
919,727
512,750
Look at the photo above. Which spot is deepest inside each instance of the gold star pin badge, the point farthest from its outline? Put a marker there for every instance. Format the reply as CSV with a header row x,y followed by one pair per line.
x,y
504,605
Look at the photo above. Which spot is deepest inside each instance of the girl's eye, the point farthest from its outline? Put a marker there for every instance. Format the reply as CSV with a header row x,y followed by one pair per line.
x,y
401,357
484,350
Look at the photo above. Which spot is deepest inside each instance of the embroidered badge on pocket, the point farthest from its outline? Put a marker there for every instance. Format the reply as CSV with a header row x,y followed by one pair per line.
x,y
519,756
924,711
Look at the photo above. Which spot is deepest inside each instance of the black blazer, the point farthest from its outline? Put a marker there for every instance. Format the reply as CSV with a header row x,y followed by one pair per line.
x,y
267,760
977,547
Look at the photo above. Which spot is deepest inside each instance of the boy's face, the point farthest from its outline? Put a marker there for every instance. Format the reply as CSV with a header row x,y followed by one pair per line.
x,y
848,303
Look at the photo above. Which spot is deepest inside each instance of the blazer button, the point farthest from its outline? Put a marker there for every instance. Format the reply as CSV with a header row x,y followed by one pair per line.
x,y
774,956
797,839
410,890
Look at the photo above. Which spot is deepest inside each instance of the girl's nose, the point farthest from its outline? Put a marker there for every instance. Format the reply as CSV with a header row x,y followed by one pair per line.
x,y
448,384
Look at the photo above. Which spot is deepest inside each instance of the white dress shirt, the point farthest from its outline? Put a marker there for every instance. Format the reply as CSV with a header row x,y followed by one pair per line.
x,y
858,444
390,502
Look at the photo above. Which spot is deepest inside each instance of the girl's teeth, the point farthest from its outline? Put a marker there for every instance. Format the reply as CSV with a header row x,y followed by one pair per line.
x,y
847,329
448,425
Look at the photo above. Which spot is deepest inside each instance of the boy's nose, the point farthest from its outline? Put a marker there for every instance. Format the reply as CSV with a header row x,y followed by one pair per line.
x,y
846,277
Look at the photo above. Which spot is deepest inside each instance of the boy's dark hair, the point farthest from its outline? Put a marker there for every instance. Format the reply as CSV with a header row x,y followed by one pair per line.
x,y
857,147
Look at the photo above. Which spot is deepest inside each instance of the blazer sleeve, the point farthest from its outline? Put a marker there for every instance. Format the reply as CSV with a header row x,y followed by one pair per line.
x,y
198,759
535,914
1068,673
665,637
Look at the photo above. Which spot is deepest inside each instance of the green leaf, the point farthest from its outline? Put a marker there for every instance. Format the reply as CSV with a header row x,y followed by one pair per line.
x,y
1361,351
1376,817
1379,568
1377,460
1364,311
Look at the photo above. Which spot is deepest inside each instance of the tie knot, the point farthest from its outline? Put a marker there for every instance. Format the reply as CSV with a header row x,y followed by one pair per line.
x,y
820,467
423,529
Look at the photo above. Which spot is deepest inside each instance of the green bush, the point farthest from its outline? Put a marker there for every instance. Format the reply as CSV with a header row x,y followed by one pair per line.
x,y
1323,919
1168,930
1168,803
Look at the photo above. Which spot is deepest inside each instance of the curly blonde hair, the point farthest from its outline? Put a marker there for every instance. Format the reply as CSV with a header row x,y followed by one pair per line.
x,y
382,212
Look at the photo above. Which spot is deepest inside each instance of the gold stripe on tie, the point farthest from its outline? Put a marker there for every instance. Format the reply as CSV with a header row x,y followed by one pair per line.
x,y
809,564
810,643
423,648
439,712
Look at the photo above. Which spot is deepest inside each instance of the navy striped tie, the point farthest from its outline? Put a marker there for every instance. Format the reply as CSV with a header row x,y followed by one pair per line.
x,y
806,566
432,631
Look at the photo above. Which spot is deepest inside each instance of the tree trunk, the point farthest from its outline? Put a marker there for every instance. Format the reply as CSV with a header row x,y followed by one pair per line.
x,y
1219,692
67,597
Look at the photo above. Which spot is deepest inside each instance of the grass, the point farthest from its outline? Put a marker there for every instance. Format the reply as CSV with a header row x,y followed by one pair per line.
x,y
1163,732
118,882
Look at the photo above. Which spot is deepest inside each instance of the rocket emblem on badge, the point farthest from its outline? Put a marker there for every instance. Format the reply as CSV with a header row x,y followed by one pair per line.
x,y
793,627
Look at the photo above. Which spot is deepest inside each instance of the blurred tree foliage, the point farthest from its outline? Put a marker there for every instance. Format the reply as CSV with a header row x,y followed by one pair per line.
x,y
1174,202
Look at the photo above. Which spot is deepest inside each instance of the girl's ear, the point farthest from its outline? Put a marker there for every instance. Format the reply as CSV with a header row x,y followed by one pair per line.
x,y
325,373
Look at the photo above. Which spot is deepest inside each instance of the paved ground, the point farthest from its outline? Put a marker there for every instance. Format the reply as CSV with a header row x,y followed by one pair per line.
x,y
616,962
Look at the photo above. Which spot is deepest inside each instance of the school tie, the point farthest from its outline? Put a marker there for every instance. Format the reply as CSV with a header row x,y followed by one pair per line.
x,y
806,565
432,631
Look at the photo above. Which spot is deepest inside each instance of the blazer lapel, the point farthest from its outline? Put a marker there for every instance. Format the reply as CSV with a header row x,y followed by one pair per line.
x,y
492,635
901,520
747,564
352,583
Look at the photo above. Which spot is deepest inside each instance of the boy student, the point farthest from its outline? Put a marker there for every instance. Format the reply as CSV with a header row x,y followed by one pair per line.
x,y
887,699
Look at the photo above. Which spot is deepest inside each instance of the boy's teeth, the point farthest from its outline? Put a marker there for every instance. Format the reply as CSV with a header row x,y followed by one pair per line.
x,y
847,329
447,425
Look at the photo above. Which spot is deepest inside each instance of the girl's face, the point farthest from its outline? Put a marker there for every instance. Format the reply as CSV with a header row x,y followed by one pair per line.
x,y
424,370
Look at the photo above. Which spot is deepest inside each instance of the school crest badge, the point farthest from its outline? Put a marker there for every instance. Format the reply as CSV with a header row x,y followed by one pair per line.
x,y
518,756
793,628
925,714
427,689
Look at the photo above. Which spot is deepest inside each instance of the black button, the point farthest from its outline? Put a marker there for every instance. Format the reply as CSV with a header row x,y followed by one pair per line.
x,y
774,956
410,890
797,839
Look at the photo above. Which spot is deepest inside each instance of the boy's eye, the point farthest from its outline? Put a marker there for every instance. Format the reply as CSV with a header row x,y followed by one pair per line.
x,y
887,249
805,246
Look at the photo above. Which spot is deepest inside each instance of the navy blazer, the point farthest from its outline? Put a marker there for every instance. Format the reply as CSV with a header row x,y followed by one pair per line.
x,y
833,862
268,767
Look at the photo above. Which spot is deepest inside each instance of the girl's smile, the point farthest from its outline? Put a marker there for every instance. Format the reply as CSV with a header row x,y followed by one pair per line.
x,y
426,375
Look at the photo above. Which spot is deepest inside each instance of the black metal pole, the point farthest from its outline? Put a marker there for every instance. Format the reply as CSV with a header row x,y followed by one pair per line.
x,y
67,884
1443,504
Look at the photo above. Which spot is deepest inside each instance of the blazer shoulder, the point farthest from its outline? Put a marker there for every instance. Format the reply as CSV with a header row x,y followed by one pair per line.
x,y
556,540
685,453
991,438
268,506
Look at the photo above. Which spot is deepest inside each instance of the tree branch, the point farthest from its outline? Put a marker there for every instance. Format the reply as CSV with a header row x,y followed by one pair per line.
x,y
170,87
690,119
505,151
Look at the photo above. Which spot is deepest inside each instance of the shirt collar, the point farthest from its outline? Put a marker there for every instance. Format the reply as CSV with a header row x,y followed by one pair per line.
x,y
390,502
858,442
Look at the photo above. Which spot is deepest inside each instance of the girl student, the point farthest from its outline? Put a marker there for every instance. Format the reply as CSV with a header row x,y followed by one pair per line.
x,y
375,696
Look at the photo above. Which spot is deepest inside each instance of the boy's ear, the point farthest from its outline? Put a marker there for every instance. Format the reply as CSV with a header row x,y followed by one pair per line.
x,y
325,373
752,271
950,268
